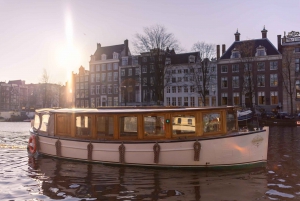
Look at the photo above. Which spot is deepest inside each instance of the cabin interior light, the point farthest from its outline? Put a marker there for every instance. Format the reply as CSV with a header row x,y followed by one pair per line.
x,y
167,120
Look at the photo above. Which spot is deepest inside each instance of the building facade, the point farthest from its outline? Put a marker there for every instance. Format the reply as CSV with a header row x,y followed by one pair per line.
x,y
290,48
104,74
249,74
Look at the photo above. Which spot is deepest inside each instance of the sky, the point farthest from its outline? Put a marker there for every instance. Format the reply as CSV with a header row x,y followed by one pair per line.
x,y
61,35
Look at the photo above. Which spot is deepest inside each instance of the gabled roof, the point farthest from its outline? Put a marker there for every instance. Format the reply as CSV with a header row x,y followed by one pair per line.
x,y
108,50
270,48
182,58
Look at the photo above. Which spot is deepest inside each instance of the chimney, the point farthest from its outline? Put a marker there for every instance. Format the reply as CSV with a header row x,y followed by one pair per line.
x,y
126,47
223,49
279,46
237,35
98,45
264,33
218,52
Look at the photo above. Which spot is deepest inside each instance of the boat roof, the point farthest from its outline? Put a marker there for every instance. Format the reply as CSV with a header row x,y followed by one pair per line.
x,y
125,109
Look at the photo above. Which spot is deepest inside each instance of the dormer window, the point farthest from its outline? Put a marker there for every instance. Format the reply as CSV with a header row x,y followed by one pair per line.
x,y
260,51
115,55
191,59
168,61
235,54
103,57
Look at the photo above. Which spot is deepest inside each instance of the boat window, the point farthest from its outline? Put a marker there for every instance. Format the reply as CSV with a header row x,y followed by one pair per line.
x,y
154,126
105,127
83,125
231,120
44,125
211,122
128,126
183,124
37,122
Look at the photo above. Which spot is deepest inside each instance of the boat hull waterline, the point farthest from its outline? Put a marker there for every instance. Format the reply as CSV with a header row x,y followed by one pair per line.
x,y
235,150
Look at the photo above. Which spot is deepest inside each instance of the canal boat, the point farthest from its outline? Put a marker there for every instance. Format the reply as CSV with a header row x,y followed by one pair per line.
x,y
184,137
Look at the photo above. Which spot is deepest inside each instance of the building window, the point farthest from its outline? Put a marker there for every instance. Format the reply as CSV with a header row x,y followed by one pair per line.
x,y
185,89
103,67
224,83
236,98
179,79
135,60
115,55
124,61
116,76
109,66
173,89
116,101
224,69
235,82
168,101
192,101
186,101
109,76
179,101
192,89
144,69
92,89
103,89
137,71
98,67
179,89
168,90
98,102
191,59
151,81
235,54
122,72
93,102
273,65
103,57
224,98
144,81
144,59
247,67
173,101
97,89
274,98
109,89
297,65
173,79
235,68
261,80
168,61
261,98
92,78
297,49
273,80
129,72
116,89
116,66
260,66
103,77
92,68
297,89
260,51
179,71
97,77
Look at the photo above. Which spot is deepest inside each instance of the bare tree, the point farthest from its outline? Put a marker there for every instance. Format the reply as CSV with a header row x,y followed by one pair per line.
x,y
203,71
44,87
156,41
288,76
247,57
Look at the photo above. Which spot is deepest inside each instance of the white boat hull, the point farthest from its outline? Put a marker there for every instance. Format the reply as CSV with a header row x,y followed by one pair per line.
x,y
234,150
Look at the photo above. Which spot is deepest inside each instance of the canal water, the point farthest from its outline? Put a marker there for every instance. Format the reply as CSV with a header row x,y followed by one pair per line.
x,y
45,178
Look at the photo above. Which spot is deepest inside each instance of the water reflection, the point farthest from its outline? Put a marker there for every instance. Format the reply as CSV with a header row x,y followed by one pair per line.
x,y
61,178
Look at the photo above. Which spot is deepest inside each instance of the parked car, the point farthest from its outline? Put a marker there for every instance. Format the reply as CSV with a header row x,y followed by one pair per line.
x,y
284,115
269,115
